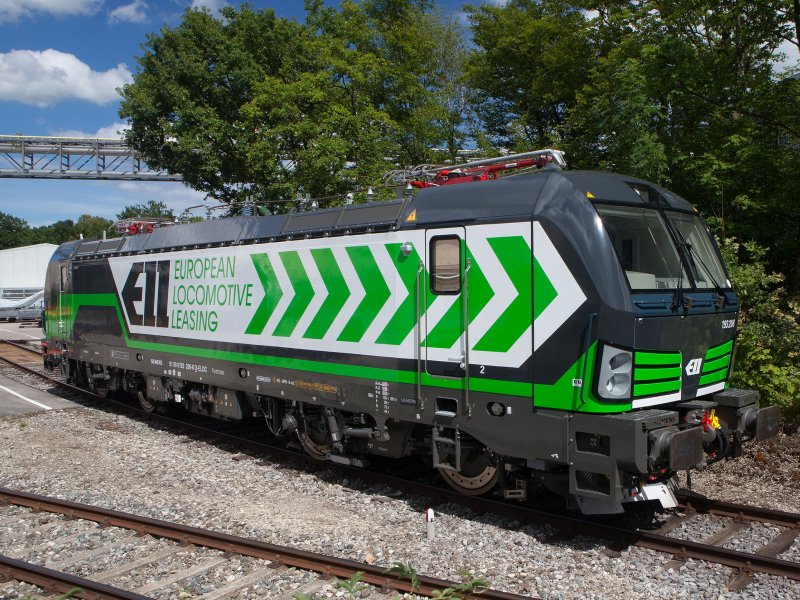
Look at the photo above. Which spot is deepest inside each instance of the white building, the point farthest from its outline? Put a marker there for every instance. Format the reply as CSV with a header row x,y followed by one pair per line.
x,y
22,271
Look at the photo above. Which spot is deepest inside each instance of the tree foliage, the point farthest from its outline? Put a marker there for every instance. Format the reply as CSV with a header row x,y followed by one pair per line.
x,y
16,232
768,344
533,58
251,105
152,208
93,227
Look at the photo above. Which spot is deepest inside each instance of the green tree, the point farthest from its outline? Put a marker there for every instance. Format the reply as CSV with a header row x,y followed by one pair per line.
x,y
56,233
532,59
14,232
92,227
151,208
416,60
185,103
768,344
317,131
255,106
616,122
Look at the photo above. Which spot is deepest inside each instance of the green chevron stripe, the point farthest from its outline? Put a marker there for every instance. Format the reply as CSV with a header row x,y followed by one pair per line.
x,y
272,294
303,293
657,358
564,395
404,319
543,290
716,364
645,374
515,256
338,293
451,326
649,389
713,377
719,350
377,293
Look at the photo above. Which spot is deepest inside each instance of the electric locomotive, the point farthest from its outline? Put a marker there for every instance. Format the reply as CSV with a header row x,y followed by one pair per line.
x,y
566,329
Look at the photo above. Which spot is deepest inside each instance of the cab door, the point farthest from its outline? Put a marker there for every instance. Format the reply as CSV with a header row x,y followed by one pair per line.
x,y
64,305
445,319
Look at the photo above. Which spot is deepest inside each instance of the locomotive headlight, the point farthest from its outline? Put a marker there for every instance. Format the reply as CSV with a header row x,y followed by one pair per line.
x,y
614,381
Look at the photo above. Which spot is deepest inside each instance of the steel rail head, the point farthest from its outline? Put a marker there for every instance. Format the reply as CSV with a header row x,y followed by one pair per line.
x,y
739,511
49,579
312,561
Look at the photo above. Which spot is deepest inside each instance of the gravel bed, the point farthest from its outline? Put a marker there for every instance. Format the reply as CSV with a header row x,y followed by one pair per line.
x,y
23,543
767,475
699,528
793,552
754,537
184,558
21,591
86,455
271,584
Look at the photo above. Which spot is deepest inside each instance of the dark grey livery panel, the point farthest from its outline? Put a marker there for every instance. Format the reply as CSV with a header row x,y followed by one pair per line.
x,y
218,231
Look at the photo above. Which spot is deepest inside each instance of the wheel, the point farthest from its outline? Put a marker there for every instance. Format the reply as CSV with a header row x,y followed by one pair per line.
x,y
314,437
101,391
146,404
477,475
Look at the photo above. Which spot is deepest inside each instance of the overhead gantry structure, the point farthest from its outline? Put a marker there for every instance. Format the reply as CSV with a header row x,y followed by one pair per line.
x,y
36,157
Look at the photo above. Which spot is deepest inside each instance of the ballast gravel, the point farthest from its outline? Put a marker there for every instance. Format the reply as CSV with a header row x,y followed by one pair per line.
x,y
96,457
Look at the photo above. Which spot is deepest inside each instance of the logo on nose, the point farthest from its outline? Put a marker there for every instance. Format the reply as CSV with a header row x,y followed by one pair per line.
x,y
693,368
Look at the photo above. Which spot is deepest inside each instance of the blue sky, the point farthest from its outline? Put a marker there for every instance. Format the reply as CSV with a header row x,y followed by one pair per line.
x,y
60,62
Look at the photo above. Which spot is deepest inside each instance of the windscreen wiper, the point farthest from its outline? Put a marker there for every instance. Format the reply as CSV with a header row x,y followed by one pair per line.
x,y
720,299
678,300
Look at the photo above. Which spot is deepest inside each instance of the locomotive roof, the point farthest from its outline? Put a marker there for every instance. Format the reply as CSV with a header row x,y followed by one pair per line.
x,y
507,199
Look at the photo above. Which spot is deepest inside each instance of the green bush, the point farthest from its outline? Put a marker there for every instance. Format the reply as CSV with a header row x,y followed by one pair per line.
x,y
767,355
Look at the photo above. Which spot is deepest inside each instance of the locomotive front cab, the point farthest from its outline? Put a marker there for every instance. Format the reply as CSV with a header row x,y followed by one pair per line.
x,y
633,334
668,356
683,306
684,316
57,313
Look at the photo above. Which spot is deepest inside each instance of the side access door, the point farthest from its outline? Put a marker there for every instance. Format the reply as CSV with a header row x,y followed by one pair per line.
x,y
63,308
445,335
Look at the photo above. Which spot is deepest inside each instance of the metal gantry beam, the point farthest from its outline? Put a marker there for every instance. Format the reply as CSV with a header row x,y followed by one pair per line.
x,y
74,158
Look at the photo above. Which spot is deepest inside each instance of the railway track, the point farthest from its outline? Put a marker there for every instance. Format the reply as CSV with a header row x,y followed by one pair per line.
x,y
673,537
21,354
212,550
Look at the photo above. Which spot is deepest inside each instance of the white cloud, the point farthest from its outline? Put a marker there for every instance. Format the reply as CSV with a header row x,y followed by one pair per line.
x,y
13,10
135,12
46,77
113,131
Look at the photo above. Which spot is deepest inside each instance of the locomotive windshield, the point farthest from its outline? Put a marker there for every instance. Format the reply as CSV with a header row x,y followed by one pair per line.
x,y
649,252
644,247
704,261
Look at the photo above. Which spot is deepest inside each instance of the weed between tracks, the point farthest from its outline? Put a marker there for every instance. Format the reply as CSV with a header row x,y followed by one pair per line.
x,y
470,586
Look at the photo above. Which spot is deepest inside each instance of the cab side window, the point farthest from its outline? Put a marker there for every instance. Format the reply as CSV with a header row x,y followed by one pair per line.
x,y
445,264
63,278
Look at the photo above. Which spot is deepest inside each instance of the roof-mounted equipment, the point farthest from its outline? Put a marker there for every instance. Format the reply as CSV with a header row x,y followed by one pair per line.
x,y
424,176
